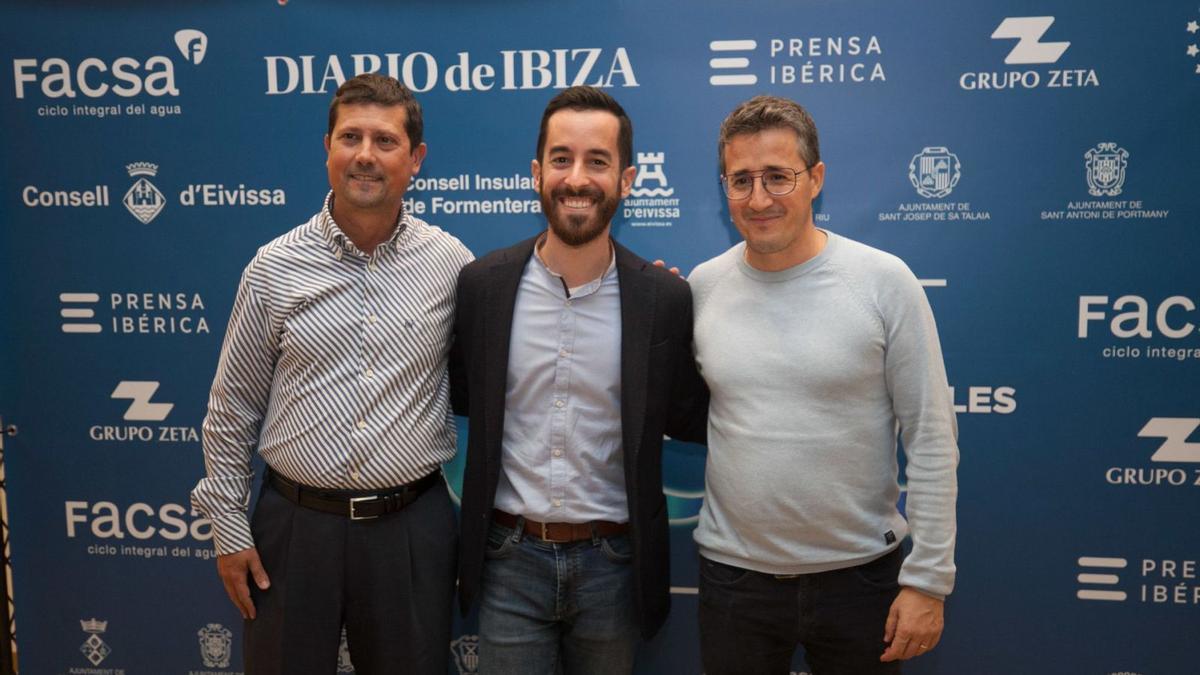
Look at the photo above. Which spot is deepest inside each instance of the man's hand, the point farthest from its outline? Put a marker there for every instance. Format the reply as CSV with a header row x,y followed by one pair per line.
x,y
914,625
672,270
233,569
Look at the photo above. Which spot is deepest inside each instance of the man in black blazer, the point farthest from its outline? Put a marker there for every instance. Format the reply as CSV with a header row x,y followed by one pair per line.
x,y
572,357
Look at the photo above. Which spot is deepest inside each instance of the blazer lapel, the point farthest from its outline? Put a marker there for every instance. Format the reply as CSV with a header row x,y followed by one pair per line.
x,y
503,281
637,316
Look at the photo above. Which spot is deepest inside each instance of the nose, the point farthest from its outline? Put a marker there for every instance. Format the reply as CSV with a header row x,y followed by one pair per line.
x,y
759,197
576,177
365,153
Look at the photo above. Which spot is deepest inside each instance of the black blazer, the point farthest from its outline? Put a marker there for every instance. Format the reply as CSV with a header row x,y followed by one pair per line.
x,y
661,392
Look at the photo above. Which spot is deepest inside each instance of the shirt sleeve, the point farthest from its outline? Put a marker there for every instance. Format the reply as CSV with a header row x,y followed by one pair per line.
x,y
916,380
237,405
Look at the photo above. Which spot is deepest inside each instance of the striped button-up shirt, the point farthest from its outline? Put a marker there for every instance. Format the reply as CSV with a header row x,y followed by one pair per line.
x,y
333,367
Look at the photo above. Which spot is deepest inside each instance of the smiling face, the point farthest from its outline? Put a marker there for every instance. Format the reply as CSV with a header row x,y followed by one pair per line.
x,y
778,229
579,176
370,161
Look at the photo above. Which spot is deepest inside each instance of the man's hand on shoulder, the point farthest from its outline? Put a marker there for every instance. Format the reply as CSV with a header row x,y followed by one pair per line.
x,y
233,568
673,270
914,625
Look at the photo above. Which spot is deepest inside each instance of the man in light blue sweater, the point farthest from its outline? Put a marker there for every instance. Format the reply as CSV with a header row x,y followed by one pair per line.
x,y
818,351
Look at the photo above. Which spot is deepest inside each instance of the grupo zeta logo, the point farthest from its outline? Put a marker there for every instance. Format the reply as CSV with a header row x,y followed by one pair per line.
x,y
99,79
798,60
1033,48
514,69
1175,448
142,409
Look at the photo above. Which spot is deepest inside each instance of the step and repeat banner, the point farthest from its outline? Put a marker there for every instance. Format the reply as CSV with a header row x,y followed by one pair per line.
x,y
1034,163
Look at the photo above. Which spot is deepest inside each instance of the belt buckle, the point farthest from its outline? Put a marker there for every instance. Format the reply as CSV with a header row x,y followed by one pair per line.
x,y
546,538
356,500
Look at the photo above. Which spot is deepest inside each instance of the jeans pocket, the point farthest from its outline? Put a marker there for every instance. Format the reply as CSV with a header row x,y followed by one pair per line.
x,y
617,550
881,574
500,543
720,573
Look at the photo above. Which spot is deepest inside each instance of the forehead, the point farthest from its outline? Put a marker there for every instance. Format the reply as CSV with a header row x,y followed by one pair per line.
x,y
371,116
582,131
763,149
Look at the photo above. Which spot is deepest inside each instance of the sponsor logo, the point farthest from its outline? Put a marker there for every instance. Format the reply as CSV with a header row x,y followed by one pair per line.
x,y
1030,50
985,400
142,410
216,642
1158,581
517,69
1104,168
1105,165
129,313
108,521
78,313
807,60
651,202
1174,448
1134,317
192,44
509,195
1028,30
94,648
1094,572
343,659
143,199
934,172
465,651
99,79
733,57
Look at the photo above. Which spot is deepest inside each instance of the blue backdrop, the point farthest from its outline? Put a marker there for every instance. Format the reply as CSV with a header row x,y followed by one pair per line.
x,y
1033,162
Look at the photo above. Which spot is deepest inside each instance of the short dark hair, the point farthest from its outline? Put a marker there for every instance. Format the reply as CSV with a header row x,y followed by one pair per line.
x,y
590,98
386,91
771,112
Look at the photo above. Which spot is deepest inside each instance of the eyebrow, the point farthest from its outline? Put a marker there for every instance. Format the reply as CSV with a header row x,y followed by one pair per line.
x,y
595,151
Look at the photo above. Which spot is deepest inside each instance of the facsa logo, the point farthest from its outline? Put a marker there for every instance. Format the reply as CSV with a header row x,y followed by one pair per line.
x,y
141,409
94,77
1029,30
1133,317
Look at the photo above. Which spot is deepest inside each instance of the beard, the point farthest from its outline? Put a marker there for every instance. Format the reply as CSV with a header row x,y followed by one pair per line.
x,y
577,229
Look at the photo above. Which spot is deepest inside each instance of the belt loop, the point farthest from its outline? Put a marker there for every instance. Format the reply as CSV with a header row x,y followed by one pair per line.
x,y
518,530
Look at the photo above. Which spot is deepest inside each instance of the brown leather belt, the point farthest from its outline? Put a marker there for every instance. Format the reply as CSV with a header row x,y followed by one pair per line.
x,y
357,505
562,533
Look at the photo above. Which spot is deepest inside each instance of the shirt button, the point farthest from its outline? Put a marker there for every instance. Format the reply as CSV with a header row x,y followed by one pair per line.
x,y
370,373
557,503
563,353
355,475
559,403
557,452
371,266
362,424
373,318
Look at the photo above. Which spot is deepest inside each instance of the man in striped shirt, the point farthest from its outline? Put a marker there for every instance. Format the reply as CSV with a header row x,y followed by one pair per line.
x,y
334,370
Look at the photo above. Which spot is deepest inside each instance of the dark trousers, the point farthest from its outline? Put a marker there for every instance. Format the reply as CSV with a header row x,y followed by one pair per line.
x,y
389,581
751,623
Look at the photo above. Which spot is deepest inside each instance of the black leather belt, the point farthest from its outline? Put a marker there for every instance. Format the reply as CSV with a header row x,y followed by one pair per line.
x,y
355,505
562,533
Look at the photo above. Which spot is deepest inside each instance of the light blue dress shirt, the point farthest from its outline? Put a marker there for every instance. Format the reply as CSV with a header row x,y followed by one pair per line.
x,y
562,457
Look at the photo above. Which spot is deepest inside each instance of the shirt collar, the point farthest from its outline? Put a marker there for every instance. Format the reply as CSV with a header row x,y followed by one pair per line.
x,y
340,244
582,289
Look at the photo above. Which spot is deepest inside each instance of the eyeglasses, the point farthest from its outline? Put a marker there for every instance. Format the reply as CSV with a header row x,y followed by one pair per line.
x,y
778,182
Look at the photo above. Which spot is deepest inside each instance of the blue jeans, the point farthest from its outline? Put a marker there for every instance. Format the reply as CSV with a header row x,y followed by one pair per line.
x,y
551,608
750,622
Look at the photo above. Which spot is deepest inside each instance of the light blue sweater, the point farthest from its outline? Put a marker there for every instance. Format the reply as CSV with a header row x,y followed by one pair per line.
x,y
812,370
